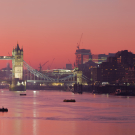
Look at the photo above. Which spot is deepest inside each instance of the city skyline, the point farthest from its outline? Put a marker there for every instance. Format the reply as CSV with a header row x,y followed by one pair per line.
x,y
52,29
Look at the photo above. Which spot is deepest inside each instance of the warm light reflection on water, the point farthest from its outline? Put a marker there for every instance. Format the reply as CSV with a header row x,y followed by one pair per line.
x,y
44,112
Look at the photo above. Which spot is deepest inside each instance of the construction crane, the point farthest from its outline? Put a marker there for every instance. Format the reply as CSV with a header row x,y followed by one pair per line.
x,y
69,61
78,44
49,67
40,66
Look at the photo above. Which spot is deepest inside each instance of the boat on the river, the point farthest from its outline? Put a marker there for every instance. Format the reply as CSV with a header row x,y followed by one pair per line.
x,y
3,109
69,100
120,92
22,94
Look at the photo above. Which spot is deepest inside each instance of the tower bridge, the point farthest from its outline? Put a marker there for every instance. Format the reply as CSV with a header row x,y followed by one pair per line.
x,y
21,76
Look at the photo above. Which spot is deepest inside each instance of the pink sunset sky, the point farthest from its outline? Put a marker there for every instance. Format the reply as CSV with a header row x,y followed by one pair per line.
x,y
49,29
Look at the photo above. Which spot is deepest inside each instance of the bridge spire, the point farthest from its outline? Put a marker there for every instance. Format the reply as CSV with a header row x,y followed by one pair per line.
x,y
18,48
22,48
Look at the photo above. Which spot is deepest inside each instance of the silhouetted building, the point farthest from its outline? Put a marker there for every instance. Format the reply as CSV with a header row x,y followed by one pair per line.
x,y
108,72
130,75
95,58
69,66
82,56
99,58
126,57
116,69
6,72
104,57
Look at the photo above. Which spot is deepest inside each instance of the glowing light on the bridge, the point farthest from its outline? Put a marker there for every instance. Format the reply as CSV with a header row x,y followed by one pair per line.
x,y
18,83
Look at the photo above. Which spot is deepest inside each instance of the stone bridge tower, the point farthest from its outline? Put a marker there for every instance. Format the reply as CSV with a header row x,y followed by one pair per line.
x,y
18,84
17,63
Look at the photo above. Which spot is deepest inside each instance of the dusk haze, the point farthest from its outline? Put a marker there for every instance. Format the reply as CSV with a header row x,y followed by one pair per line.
x,y
51,29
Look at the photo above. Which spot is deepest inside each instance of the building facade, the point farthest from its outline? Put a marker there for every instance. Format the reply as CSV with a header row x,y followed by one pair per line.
x,y
82,56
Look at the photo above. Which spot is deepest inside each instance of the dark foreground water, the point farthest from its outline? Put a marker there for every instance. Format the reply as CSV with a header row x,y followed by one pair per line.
x,y
45,113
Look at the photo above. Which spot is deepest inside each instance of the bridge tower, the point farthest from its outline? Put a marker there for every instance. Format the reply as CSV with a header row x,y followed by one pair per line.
x,y
18,84
78,85
17,63
79,77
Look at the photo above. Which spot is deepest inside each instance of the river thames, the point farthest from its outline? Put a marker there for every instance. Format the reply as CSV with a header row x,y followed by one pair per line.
x,y
43,112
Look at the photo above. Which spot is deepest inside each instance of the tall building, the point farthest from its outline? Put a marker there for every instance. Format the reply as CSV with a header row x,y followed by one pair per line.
x,y
119,68
82,56
95,58
99,58
7,72
102,58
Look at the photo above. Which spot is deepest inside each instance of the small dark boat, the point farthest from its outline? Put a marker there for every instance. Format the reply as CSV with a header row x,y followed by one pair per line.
x,y
3,109
120,92
69,100
22,94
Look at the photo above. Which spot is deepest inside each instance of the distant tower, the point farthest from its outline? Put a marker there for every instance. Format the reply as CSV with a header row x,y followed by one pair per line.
x,y
17,63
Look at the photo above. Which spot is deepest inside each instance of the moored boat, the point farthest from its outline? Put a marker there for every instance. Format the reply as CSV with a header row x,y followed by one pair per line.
x,y
69,100
22,94
3,109
120,92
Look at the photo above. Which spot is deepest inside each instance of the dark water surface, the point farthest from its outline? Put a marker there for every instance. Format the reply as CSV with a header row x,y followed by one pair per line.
x,y
45,113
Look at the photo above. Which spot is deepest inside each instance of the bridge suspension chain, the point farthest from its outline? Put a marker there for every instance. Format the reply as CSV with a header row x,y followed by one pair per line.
x,y
85,77
36,73
67,77
45,77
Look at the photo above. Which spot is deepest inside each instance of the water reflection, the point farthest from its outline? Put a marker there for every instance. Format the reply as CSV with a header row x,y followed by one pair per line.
x,y
35,127
44,112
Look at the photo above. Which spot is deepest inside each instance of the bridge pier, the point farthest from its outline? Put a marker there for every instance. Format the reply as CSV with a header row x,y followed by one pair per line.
x,y
17,85
78,85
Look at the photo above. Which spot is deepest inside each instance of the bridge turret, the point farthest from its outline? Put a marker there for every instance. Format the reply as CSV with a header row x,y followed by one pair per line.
x,y
17,62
